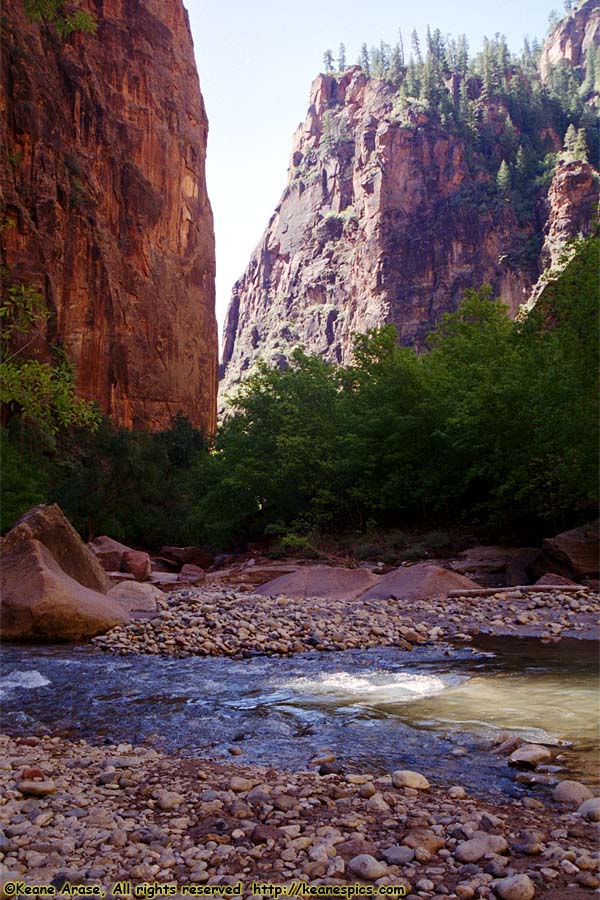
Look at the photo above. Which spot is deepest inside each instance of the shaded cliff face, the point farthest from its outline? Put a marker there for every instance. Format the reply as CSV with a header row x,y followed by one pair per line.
x,y
105,205
382,221
572,38
572,207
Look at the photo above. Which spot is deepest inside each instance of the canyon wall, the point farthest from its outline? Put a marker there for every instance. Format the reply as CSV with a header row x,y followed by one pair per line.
x,y
389,216
105,208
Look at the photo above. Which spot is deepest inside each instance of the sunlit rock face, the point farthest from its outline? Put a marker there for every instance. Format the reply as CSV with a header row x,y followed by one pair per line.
x,y
387,217
380,222
105,205
572,38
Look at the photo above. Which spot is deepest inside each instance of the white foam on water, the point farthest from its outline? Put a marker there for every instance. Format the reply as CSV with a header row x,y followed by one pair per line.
x,y
378,687
28,680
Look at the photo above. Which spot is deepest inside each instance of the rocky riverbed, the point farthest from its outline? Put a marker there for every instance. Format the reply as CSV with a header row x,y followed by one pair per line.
x,y
231,623
87,814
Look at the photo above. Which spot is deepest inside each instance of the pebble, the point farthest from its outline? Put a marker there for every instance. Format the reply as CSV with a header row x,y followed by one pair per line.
x,y
573,793
367,867
37,788
473,850
590,809
406,778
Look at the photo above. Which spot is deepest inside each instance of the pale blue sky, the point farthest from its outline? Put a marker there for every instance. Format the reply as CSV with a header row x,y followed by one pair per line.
x,y
256,62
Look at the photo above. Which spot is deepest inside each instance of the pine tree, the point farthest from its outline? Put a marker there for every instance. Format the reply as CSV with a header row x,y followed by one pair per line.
x,y
342,58
328,61
580,148
416,47
364,59
503,179
570,142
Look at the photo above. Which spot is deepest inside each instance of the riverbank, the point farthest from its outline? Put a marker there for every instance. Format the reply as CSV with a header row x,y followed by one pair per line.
x,y
219,622
92,814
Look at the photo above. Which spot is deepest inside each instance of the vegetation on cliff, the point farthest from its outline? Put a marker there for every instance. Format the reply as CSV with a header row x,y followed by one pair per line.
x,y
496,425
498,100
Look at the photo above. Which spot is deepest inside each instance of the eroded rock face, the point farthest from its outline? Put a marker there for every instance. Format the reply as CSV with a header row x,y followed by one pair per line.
x,y
572,38
103,187
572,205
389,217
380,222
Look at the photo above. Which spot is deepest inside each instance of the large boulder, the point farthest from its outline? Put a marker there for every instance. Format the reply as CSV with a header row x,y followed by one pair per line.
x,y
333,582
136,597
116,557
41,602
108,552
578,549
417,583
490,566
182,556
48,525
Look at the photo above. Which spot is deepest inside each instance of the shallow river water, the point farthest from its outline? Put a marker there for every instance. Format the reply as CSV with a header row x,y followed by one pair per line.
x,y
377,710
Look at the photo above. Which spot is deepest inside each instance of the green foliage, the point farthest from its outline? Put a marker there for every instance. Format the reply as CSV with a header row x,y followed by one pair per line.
x,y
65,16
133,485
496,425
24,482
40,392
495,101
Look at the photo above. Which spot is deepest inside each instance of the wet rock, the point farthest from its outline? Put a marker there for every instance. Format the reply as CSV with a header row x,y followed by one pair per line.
x,y
529,755
515,887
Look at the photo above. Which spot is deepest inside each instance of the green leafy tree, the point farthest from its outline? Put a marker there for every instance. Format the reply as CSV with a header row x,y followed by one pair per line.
x,y
65,16
342,58
328,61
40,392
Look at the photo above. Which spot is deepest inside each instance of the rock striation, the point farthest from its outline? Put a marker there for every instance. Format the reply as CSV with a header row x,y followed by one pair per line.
x,y
105,206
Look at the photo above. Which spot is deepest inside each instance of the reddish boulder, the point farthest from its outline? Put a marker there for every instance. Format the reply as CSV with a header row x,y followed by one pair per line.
x,y
182,556
48,525
578,549
552,579
333,582
418,582
488,565
137,563
191,574
41,602
108,552
116,557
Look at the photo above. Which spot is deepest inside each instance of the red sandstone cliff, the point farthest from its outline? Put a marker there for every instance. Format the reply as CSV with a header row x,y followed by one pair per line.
x,y
381,221
389,217
572,38
105,204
